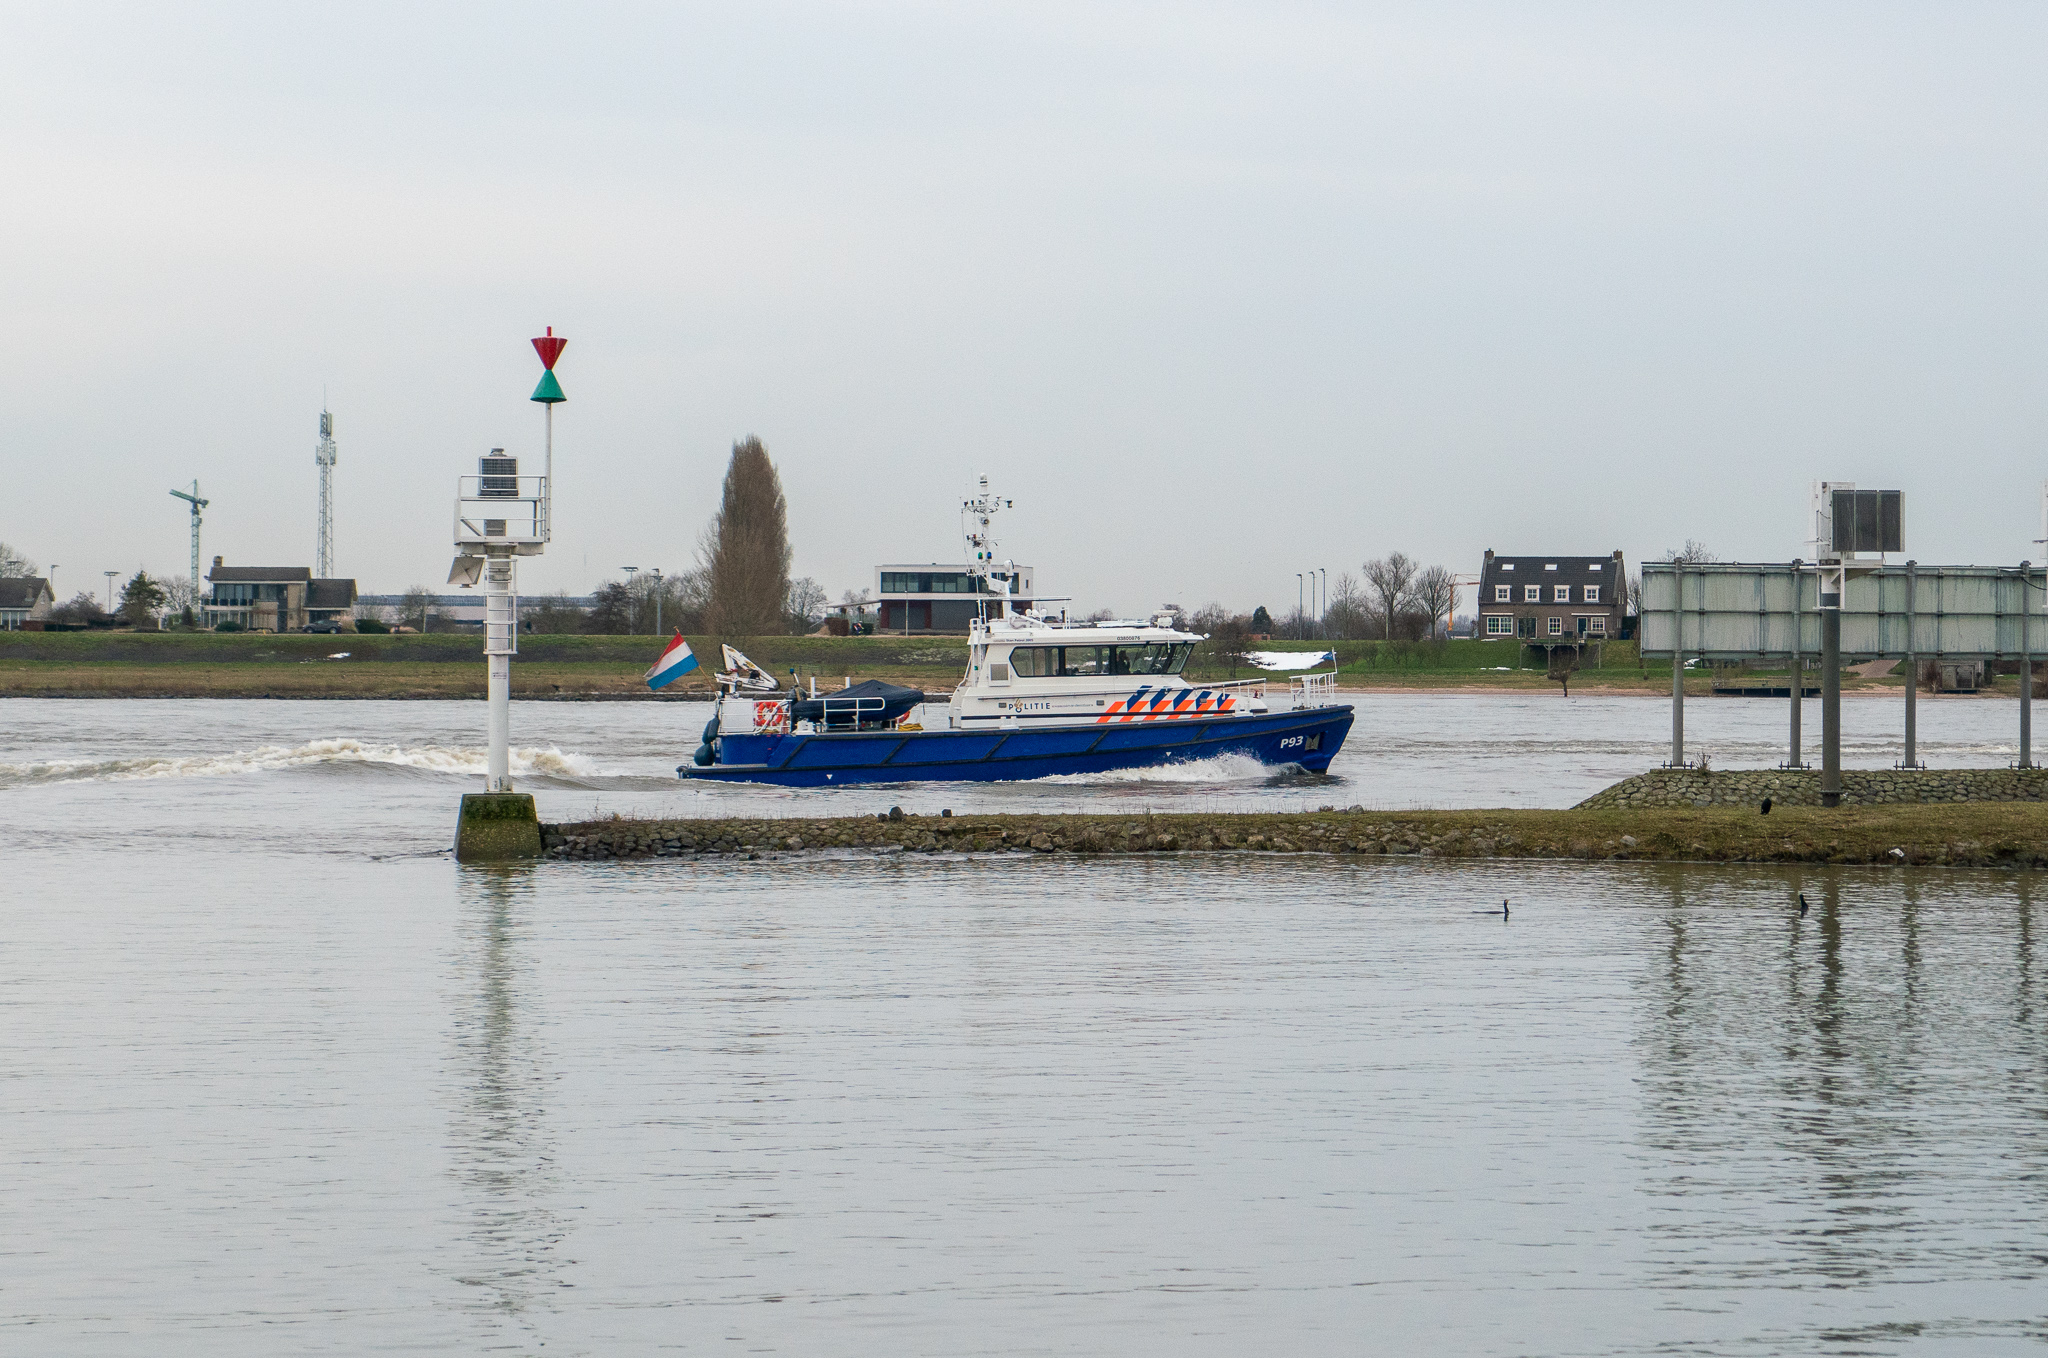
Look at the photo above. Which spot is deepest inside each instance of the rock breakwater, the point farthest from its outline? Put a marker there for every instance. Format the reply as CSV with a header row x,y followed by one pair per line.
x,y
1662,788
2012,834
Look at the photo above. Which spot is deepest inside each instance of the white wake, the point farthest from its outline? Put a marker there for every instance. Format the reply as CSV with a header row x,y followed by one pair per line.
x,y
337,750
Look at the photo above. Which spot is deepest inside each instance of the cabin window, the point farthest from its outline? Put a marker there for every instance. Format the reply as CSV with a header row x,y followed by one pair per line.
x,y
1035,662
999,674
1042,662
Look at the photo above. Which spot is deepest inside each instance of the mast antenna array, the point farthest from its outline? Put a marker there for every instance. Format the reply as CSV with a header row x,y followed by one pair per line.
x,y
323,538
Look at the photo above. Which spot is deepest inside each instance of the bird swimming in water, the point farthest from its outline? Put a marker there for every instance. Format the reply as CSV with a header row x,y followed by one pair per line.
x,y
1767,806
1502,912
1802,905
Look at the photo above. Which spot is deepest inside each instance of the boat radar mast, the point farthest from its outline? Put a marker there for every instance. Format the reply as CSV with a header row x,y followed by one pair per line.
x,y
977,518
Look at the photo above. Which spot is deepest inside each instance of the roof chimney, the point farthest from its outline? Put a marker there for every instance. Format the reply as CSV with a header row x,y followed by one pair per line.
x,y
216,563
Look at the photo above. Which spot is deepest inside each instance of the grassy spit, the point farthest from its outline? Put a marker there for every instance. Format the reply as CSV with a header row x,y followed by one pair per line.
x,y
1979,835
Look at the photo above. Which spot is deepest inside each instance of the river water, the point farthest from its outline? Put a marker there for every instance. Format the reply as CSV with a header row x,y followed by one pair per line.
x,y
278,1077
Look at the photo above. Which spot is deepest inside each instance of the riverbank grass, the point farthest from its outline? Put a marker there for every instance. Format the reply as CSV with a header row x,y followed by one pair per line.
x,y
1977,835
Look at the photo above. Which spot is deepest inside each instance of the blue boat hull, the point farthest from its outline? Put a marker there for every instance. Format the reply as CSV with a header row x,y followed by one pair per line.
x,y
1309,738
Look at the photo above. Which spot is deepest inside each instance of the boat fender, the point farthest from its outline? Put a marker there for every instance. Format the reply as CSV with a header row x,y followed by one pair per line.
x,y
711,729
703,757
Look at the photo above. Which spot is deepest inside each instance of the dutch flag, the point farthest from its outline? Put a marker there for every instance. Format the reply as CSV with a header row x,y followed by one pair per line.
x,y
675,662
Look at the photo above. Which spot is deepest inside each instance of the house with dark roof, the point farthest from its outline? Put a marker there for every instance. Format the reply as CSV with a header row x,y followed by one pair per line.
x,y
1551,600
276,598
24,599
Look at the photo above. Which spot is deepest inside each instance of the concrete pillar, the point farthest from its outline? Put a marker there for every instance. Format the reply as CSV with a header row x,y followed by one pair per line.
x,y
1678,669
1677,709
1798,680
1796,672
1831,694
1912,675
2026,666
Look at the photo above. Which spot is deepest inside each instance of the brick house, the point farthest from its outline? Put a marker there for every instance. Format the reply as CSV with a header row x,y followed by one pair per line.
x,y
276,598
1552,600
24,600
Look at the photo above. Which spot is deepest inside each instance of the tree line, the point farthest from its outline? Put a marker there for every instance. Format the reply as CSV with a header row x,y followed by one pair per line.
x,y
1393,598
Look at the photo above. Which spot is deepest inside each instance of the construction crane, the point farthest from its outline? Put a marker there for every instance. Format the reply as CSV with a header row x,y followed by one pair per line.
x,y
323,538
197,505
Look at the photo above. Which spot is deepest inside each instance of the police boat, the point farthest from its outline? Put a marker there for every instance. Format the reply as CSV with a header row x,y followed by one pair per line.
x,y
1040,696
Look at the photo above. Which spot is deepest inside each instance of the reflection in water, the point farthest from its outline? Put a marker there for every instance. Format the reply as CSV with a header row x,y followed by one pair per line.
x,y
1794,1072
503,1156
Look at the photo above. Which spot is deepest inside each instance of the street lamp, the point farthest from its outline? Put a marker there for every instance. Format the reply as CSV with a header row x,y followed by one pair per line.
x,y
629,594
1322,609
110,588
1298,597
656,573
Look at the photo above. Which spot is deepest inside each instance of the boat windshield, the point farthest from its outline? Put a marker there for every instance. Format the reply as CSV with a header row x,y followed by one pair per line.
x,y
1045,662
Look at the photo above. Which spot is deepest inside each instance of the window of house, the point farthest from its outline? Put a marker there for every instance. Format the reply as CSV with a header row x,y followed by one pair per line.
x,y
1503,594
1557,627
1507,565
1597,623
1594,567
1592,594
1550,566
1561,594
1500,625
1532,594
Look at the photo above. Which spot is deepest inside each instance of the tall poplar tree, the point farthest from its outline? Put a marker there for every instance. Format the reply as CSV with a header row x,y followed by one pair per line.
x,y
747,547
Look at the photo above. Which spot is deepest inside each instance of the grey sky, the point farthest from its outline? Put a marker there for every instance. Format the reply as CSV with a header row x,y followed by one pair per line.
x,y
1216,294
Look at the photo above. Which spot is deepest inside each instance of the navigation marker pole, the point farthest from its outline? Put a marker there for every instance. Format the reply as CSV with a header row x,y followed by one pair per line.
x,y
500,515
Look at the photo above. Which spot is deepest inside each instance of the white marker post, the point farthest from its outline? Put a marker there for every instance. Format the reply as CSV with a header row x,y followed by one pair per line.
x,y
499,516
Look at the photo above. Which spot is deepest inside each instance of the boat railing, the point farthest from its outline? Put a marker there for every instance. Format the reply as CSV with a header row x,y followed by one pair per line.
x,y
847,714
1313,690
1254,688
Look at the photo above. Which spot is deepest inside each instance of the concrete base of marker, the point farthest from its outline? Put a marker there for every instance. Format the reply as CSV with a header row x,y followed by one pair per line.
x,y
495,826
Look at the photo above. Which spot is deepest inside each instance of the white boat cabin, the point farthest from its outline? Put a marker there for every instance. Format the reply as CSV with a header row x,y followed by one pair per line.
x,y
1025,672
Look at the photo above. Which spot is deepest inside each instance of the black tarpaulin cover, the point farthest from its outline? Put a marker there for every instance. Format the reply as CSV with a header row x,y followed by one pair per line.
x,y
872,699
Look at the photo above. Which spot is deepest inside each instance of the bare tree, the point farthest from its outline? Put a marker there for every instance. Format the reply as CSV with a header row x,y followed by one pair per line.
x,y
803,607
1391,579
611,610
1436,594
83,606
1632,596
13,563
1692,554
416,607
1349,616
180,594
550,614
748,547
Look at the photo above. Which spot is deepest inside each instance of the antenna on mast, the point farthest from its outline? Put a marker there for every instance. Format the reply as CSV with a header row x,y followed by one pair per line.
x,y
323,536
977,527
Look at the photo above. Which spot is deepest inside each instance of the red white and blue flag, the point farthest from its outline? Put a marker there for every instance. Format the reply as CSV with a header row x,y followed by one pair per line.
x,y
675,662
